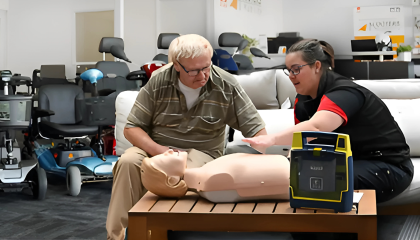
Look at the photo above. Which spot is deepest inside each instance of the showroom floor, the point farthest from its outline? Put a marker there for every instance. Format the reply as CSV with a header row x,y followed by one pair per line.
x,y
61,216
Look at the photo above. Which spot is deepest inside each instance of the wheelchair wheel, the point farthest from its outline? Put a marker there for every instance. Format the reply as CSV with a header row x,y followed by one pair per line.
x,y
39,182
74,180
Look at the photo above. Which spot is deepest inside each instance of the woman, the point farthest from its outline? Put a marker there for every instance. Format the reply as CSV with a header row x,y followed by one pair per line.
x,y
329,102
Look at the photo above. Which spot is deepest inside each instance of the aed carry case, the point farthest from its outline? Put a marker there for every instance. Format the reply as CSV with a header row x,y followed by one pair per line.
x,y
321,171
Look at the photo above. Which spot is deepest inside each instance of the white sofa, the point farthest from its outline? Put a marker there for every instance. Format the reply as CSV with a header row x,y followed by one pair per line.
x,y
273,94
402,97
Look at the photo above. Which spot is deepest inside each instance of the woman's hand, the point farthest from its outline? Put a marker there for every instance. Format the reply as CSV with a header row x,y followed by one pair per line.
x,y
261,143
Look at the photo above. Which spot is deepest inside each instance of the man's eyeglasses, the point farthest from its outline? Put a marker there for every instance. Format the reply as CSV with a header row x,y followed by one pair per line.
x,y
295,69
193,73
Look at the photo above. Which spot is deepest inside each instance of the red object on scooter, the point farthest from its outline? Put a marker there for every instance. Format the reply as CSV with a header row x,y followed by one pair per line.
x,y
114,146
152,66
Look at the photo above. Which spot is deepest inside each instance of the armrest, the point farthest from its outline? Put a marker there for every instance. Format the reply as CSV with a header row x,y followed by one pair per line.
x,y
105,92
137,75
77,79
21,80
43,113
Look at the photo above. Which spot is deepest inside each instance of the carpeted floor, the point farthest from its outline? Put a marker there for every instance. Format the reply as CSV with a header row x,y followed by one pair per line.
x,y
59,216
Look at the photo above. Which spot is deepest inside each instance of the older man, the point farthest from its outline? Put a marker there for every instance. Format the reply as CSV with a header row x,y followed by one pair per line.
x,y
185,106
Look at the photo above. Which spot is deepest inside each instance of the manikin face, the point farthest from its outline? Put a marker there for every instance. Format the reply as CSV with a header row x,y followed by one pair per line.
x,y
172,163
201,64
304,76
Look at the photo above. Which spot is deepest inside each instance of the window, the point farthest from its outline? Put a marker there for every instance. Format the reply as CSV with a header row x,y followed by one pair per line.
x,y
91,27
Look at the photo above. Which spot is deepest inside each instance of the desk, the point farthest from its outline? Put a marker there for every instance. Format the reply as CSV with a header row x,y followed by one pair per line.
x,y
381,54
352,55
374,70
152,217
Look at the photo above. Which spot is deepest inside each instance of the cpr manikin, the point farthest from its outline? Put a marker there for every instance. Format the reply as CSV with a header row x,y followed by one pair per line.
x,y
231,178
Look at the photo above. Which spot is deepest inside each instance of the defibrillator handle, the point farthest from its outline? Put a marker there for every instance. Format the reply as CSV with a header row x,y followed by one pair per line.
x,y
342,141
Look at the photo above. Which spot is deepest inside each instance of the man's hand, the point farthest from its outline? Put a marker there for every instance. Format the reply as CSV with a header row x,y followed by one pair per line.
x,y
178,150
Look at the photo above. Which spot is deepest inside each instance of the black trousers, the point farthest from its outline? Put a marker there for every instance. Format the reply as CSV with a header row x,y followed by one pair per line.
x,y
386,179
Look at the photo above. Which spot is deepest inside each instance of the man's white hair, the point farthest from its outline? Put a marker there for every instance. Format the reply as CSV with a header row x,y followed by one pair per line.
x,y
188,46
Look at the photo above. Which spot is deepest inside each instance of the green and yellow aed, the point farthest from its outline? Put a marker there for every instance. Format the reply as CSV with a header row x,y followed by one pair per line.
x,y
321,171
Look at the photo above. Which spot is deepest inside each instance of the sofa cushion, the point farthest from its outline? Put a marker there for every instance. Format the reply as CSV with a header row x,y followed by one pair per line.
x,y
393,89
286,92
401,109
123,104
412,193
260,86
276,121
406,114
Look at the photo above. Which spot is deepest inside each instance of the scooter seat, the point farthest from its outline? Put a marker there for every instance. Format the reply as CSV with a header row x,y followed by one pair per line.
x,y
54,130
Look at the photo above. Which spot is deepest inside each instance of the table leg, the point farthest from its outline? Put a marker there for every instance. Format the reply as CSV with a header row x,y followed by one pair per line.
x,y
137,228
368,229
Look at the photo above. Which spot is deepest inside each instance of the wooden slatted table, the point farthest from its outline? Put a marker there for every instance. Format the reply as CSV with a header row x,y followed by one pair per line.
x,y
152,217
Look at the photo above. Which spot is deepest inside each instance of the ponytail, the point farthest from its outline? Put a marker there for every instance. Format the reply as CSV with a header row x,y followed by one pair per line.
x,y
314,50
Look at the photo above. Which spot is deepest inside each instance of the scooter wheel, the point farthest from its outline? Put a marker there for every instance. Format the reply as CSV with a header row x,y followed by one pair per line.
x,y
74,180
39,180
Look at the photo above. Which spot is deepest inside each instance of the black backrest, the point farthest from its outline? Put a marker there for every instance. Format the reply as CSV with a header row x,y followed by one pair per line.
x,y
163,42
244,62
161,57
62,100
115,73
49,74
229,39
165,39
107,42
114,76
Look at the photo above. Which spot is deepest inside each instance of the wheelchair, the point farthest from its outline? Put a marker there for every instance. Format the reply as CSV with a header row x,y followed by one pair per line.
x,y
18,169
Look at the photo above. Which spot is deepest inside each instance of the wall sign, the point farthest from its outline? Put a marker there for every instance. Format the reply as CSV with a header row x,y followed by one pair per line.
x,y
371,21
251,6
416,31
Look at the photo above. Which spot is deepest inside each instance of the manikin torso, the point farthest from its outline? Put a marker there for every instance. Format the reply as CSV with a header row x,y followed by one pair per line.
x,y
231,178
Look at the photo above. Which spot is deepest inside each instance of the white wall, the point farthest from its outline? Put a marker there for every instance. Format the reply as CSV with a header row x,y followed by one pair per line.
x,y
268,21
119,18
4,4
42,32
182,16
144,21
3,39
140,35
332,20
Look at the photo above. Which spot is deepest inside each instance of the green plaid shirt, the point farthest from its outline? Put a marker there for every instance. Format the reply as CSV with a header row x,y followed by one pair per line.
x,y
161,111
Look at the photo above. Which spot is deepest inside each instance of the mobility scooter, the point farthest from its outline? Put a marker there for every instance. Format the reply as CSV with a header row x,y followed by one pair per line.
x,y
18,169
64,113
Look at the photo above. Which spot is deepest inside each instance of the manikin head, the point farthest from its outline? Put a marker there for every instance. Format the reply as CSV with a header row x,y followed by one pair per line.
x,y
162,174
306,61
191,55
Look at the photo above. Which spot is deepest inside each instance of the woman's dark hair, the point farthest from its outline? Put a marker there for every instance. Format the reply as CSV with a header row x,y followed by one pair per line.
x,y
313,50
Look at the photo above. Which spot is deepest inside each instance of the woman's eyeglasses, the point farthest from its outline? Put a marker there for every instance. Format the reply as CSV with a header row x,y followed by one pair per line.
x,y
295,69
